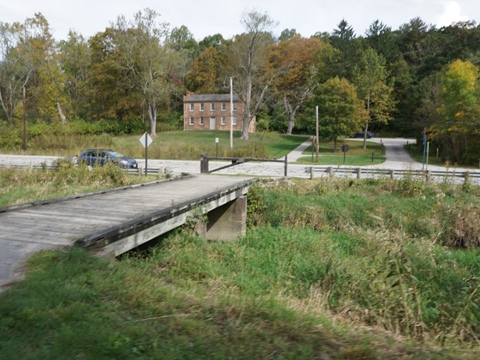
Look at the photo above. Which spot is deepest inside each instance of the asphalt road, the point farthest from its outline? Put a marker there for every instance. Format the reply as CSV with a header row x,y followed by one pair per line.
x,y
396,159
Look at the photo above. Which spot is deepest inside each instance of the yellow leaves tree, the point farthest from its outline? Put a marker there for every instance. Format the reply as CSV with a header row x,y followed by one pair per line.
x,y
460,109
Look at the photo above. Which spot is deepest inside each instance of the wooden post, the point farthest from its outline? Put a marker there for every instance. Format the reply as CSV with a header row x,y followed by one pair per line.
x,y
359,173
286,166
466,176
391,174
203,164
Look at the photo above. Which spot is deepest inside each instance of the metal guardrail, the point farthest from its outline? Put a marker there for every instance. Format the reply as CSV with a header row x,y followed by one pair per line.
x,y
426,175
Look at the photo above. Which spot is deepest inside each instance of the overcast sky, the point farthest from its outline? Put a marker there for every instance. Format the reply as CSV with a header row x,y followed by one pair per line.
x,y
209,17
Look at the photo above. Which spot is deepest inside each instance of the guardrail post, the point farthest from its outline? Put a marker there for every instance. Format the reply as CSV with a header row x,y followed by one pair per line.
x,y
359,173
427,175
286,165
466,175
330,172
140,171
391,174
311,172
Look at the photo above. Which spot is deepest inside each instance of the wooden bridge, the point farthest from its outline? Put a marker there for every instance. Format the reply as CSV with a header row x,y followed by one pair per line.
x,y
115,221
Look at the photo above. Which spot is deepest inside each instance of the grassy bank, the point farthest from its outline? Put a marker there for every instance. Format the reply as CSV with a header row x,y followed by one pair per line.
x,y
339,269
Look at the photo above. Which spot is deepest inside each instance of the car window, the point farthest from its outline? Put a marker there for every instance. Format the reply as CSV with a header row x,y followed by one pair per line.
x,y
116,154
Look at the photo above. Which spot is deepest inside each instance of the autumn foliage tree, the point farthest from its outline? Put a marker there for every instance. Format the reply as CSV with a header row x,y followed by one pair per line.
x,y
295,60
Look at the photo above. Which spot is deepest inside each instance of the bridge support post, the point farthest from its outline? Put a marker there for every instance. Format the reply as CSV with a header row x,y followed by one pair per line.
x,y
226,222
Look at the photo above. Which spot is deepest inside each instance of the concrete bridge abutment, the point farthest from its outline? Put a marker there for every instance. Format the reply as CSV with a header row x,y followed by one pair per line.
x,y
226,222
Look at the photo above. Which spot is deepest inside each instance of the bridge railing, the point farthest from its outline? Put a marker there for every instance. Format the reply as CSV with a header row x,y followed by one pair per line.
x,y
359,173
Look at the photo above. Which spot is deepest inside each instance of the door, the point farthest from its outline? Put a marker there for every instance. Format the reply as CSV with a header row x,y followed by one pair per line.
x,y
212,123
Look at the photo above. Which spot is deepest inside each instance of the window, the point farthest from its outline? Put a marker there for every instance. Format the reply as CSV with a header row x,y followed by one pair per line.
x,y
202,121
192,121
234,106
212,107
224,107
192,106
234,121
202,106
224,120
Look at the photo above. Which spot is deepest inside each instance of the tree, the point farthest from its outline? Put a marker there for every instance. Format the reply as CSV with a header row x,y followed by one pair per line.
x,y
147,62
216,41
110,92
460,110
340,111
344,39
16,65
370,78
75,60
287,34
205,72
253,43
382,39
296,61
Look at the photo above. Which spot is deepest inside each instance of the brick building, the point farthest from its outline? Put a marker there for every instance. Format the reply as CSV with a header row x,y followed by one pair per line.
x,y
212,112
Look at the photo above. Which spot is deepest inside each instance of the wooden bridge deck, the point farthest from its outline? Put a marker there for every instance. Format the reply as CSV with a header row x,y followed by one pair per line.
x,y
100,218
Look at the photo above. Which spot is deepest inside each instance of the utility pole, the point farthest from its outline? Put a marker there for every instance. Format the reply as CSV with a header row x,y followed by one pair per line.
x,y
424,146
316,132
231,113
24,143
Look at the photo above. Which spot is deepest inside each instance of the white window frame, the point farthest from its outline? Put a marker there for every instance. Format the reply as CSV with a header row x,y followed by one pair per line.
x,y
212,106
234,121
202,120
192,106
234,106
192,120
224,107
202,106
224,120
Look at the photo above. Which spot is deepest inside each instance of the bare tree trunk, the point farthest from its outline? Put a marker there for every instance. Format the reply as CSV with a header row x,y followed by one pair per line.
x,y
289,113
8,112
60,113
152,114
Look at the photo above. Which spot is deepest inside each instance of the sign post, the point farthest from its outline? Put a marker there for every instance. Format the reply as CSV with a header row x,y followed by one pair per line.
x,y
146,140
345,148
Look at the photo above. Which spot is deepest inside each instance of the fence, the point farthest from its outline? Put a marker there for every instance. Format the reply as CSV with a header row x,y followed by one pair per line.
x,y
426,175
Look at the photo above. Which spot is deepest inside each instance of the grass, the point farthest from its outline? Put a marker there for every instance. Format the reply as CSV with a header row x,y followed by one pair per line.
x,y
329,268
175,145
417,154
356,155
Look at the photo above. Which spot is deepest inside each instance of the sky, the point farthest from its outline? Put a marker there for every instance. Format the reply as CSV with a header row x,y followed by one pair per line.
x,y
209,17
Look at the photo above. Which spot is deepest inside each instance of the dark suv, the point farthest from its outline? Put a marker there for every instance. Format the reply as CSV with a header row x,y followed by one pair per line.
x,y
102,156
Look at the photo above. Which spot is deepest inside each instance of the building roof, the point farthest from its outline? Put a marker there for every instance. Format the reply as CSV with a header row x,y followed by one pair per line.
x,y
211,98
